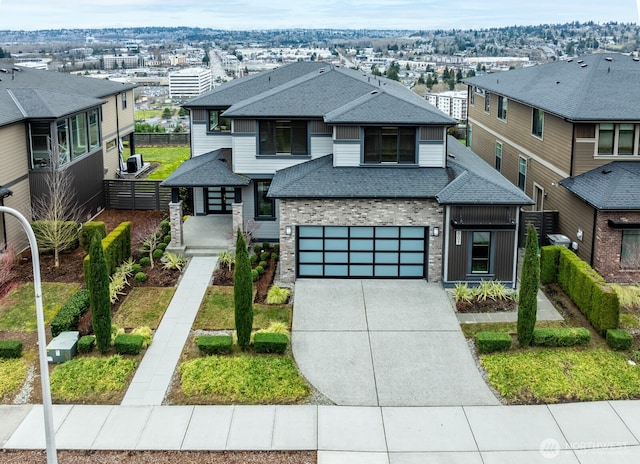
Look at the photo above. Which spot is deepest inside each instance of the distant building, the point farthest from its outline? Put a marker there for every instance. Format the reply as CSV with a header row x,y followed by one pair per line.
x,y
122,61
189,83
453,103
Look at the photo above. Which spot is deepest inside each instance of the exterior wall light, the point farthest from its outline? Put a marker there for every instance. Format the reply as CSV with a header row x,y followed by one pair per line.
x,y
287,230
436,231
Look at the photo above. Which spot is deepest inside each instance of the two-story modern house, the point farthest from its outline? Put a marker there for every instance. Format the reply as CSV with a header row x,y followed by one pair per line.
x,y
47,116
352,174
567,133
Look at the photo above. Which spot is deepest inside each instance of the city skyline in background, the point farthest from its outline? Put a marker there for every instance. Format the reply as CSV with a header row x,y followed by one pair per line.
x,y
288,14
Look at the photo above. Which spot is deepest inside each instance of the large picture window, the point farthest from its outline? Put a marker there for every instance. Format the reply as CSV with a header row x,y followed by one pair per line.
x,y
538,123
480,252
218,123
630,253
265,207
393,145
283,137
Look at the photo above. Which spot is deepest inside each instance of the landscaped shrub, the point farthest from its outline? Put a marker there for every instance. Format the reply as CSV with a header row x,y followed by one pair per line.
x,y
264,256
140,277
619,339
70,313
86,343
174,262
529,284
162,246
136,268
157,253
276,327
242,293
128,344
253,259
262,264
260,269
98,285
254,275
10,348
225,259
265,342
277,295
274,256
119,280
215,344
145,261
549,258
561,336
488,342
116,247
146,334
167,239
165,227
276,248
257,249
88,230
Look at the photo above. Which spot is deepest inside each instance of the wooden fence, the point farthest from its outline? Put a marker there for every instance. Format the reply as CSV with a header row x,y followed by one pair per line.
x,y
545,222
159,139
136,194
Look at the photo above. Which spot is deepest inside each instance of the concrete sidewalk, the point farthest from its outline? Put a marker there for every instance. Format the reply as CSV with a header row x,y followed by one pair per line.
x,y
588,433
153,377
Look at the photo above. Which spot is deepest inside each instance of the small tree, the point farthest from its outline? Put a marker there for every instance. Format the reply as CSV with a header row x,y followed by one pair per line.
x,y
99,296
243,292
529,283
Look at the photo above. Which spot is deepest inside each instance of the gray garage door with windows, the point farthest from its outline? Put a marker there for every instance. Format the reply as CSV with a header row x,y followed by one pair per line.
x,y
362,251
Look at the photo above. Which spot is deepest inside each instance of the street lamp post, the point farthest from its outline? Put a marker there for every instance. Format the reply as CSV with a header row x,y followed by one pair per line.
x,y
52,457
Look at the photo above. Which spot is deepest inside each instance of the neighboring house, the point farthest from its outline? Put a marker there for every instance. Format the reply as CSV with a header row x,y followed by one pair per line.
x,y
353,175
46,116
567,133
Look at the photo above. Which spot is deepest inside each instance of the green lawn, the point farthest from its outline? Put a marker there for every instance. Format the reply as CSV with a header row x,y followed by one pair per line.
x,y
244,379
91,380
216,311
18,308
143,307
12,375
169,158
562,374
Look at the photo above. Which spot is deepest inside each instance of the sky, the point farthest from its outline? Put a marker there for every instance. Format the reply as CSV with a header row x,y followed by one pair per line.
x,y
337,14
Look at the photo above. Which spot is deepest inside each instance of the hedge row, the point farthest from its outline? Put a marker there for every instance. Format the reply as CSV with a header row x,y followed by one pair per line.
x,y
561,336
619,339
10,348
70,313
265,342
586,288
215,344
89,229
488,342
117,249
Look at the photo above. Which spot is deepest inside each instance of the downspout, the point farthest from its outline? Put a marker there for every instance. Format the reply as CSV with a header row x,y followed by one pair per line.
x,y
593,235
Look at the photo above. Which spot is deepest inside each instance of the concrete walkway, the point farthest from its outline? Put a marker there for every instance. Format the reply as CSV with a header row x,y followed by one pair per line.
x,y
586,433
384,343
153,376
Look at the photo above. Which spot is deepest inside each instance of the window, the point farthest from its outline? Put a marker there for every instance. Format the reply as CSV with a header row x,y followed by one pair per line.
x,y
498,156
487,102
265,207
538,122
480,252
63,142
522,173
469,135
79,135
94,130
124,100
283,138
502,108
218,123
617,139
472,97
395,145
630,253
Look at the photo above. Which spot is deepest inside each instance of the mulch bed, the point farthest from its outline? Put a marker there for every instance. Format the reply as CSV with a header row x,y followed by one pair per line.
x,y
487,306
224,277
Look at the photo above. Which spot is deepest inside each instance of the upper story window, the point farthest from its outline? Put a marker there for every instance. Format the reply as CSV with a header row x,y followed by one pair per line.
x,y
537,123
487,102
56,144
502,108
124,100
472,97
218,123
498,156
265,206
617,139
283,137
394,145
522,173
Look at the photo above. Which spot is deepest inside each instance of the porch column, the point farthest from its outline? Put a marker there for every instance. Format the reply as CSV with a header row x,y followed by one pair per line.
x,y
175,218
238,223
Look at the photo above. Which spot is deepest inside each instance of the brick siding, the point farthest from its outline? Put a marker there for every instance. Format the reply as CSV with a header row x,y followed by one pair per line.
x,y
608,244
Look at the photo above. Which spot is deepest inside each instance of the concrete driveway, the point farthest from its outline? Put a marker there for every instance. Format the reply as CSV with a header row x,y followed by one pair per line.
x,y
384,343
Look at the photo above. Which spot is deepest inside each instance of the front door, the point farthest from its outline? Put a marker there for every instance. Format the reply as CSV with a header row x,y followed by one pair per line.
x,y
219,200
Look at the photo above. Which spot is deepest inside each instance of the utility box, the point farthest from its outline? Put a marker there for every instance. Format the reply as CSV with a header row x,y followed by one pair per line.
x,y
63,347
559,239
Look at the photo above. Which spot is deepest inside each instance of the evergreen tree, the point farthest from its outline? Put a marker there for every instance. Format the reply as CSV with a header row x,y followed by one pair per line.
x,y
529,283
243,293
99,295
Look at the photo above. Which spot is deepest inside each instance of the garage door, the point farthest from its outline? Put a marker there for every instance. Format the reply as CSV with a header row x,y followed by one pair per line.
x,y
362,251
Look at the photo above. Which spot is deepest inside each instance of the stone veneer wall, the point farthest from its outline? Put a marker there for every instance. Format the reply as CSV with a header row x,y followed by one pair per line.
x,y
175,219
356,212
608,245
237,222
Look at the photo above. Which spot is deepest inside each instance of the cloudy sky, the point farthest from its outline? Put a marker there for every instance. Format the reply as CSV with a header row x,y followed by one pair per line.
x,y
339,14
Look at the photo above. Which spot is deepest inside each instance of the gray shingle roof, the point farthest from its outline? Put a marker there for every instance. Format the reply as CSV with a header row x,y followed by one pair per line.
x,y
76,90
476,182
467,180
598,87
613,186
210,169
239,89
